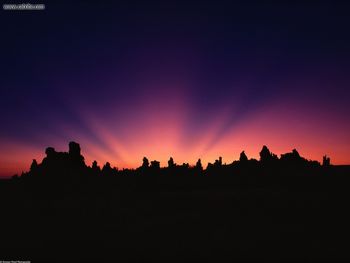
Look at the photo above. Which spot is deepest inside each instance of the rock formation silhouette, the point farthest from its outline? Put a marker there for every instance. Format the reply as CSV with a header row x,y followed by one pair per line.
x,y
272,206
71,164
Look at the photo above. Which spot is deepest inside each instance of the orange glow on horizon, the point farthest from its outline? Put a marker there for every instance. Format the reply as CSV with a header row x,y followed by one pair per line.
x,y
160,135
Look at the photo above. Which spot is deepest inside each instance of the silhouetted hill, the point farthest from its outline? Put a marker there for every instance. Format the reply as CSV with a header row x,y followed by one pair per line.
x,y
70,165
283,208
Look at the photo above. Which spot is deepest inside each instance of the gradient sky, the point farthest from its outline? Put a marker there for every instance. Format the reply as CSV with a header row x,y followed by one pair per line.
x,y
187,80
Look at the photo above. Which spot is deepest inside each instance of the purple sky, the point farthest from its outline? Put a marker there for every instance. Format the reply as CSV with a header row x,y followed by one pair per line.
x,y
188,80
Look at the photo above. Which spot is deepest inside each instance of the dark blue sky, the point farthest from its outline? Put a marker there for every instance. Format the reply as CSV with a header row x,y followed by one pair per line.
x,y
178,71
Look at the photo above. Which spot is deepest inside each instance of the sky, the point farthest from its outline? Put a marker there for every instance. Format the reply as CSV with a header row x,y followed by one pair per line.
x,y
167,78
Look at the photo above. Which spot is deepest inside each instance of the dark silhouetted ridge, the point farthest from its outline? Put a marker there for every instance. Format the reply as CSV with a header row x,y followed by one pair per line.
x,y
276,209
68,165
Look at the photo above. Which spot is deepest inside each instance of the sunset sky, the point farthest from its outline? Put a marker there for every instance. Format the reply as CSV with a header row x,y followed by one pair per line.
x,y
161,79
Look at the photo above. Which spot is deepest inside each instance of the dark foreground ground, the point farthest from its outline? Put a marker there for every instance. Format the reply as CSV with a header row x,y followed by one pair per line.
x,y
294,218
